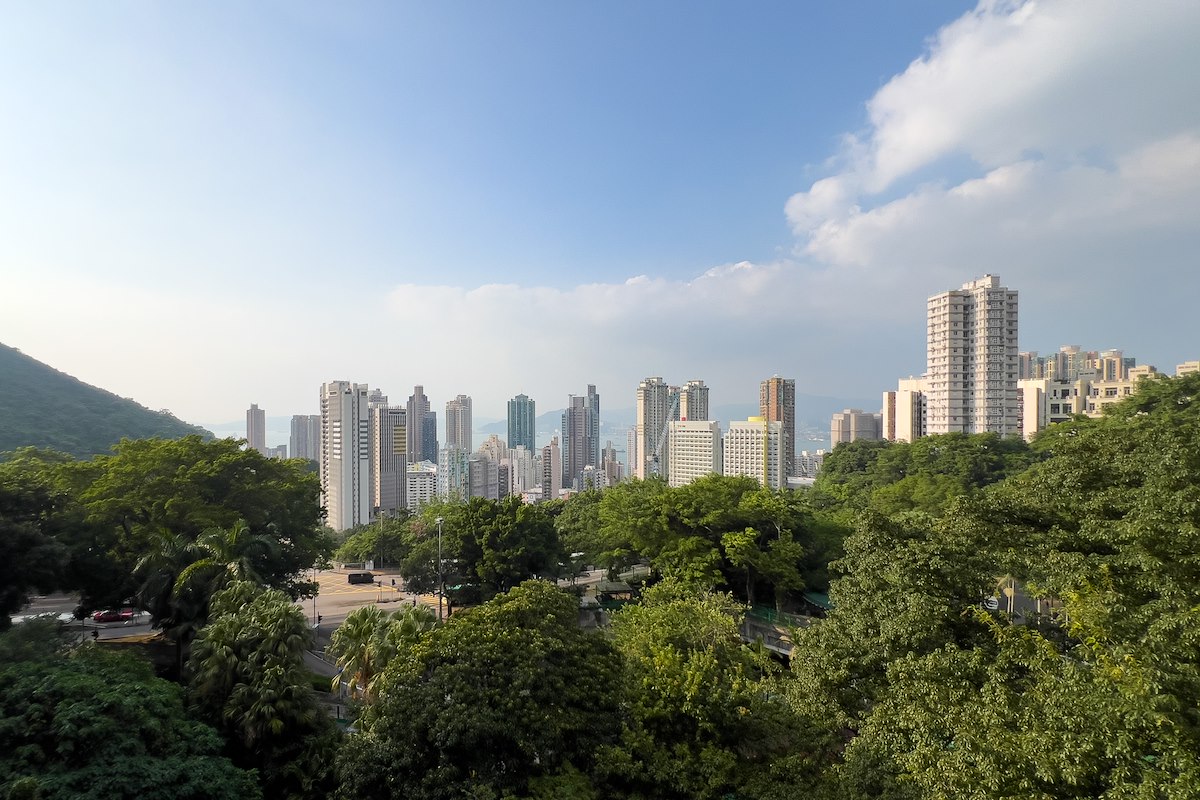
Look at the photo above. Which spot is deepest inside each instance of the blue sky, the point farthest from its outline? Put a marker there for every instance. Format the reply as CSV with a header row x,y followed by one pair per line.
x,y
204,206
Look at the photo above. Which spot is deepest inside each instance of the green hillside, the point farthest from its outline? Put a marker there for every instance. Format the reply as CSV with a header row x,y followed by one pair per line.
x,y
43,407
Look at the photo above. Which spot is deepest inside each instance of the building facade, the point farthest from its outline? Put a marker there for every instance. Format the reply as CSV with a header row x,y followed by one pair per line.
x,y
754,447
458,423
693,401
415,413
389,458
305,439
852,424
777,403
695,447
256,428
972,359
522,422
345,463
653,412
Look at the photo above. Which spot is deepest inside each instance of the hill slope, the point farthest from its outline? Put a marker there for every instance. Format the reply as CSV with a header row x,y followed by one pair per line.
x,y
43,407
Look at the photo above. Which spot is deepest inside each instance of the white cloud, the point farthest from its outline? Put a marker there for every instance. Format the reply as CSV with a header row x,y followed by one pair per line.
x,y
1054,143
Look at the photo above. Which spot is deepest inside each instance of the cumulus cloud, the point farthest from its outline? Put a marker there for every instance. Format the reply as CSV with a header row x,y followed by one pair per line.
x,y
1053,143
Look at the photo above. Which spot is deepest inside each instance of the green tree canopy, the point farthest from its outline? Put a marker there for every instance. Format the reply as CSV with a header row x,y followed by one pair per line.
x,y
507,694
84,722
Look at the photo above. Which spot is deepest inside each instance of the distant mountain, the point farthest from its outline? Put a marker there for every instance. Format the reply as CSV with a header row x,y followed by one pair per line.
x,y
42,407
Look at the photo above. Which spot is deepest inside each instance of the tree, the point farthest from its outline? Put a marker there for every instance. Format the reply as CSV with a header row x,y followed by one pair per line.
x,y
84,722
188,486
248,678
370,639
30,555
503,697
701,721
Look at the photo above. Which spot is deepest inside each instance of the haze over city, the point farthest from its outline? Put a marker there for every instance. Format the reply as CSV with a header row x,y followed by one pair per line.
x,y
205,207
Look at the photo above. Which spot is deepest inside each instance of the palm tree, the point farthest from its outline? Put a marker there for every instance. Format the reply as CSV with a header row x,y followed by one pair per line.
x,y
368,641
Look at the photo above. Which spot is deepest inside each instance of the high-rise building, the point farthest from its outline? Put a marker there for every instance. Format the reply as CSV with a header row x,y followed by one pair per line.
x,y
454,473
610,464
256,429
458,423
421,485
972,361
755,448
345,454
693,401
904,411
551,470
580,429
654,411
417,408
389,458
777,403
593,406
853,424
522,422
429,437
483,477
695,450
305,439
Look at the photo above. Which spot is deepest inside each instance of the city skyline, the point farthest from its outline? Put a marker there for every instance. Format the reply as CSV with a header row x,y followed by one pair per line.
x,y
600,193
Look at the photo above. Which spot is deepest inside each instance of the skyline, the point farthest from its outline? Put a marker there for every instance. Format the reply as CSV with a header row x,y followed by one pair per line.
x,y
609,193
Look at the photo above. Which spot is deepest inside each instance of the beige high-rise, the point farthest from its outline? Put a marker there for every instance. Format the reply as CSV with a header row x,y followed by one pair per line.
x,y
972,360
777,403
345,454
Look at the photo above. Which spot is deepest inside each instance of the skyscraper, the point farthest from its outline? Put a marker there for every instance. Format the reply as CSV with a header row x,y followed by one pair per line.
x,y
693,402
256,429
551,470
972,359
580,430
305,439
345,454
458,423
429,437
417,408
389,458
522,422
777,403
652,415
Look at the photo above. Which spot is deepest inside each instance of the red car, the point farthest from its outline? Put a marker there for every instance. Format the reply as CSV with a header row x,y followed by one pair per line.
x,y
113,615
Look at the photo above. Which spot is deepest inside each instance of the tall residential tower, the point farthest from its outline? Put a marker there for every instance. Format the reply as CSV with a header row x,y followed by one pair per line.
x,y
777,403
522,422
345,454
972,364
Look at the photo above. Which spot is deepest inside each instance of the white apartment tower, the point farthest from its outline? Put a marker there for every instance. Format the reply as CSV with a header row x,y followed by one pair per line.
x,y
695,450
654,411
345,454
755,448
256,428
972,362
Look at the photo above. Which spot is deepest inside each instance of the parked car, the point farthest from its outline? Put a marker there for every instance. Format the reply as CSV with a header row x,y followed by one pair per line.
x,y
115,615
360,577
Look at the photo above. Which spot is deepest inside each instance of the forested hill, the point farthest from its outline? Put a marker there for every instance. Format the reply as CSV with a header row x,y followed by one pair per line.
x,y
43,407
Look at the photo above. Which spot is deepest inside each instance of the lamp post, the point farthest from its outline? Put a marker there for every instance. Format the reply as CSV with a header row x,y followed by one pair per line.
x,y
441,578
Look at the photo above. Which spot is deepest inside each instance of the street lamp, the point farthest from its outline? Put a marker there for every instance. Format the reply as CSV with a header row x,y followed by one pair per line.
x,y
441,578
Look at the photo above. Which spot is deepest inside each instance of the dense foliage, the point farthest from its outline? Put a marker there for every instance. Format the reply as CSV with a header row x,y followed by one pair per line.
x,y
1008,621
42,407
167,522
85,723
